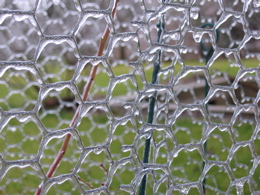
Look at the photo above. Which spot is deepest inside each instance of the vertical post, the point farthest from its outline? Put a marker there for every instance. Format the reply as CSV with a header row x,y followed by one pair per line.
x,y
207,57
152,101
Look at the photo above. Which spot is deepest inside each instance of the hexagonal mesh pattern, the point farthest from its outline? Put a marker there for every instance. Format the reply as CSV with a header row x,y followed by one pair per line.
x,y
178,80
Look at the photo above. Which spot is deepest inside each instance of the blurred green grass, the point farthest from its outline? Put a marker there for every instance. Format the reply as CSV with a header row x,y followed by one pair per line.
x,y
21,141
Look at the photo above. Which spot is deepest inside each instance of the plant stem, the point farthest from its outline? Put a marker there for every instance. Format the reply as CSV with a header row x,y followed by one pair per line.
x,y
104,168
86,90
85,182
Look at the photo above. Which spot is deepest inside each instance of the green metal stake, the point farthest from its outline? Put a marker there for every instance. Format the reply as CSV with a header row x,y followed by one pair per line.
x,y
207,57
152,101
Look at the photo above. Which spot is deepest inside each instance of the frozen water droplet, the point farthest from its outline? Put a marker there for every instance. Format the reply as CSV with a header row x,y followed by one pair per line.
x,y
126,148
184,190
179,8
77,5
175,36
240,184
98,150
147,135
19,18
197,36
154,49
184,50
22,118
256,3
33,22
194,14
175,154
3,17
56,2
134,81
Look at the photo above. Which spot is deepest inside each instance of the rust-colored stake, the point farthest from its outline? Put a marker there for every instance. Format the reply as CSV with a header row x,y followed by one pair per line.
x,y
87,87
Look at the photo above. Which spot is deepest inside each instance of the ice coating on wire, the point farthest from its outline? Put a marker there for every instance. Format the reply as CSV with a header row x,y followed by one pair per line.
x,y
47,50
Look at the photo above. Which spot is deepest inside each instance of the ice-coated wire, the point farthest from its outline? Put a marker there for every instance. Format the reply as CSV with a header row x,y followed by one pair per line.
x,y
148,116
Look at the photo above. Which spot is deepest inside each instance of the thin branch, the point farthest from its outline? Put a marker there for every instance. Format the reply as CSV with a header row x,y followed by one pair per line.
x,y
104,168
87,88
85,182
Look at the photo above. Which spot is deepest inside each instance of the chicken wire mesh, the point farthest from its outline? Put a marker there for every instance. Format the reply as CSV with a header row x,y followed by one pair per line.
x,y
151,84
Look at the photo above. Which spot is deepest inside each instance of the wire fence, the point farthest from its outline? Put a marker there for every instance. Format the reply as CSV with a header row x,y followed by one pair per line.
x,y
129,97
